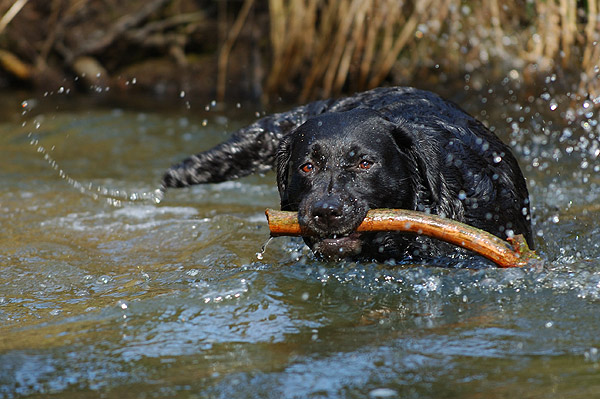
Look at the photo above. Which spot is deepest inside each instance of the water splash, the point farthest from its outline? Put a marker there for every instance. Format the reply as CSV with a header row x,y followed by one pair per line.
x,y
114,197
260,255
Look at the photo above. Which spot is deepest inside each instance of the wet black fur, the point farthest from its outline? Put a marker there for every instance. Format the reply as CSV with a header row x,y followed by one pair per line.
x,y
422,152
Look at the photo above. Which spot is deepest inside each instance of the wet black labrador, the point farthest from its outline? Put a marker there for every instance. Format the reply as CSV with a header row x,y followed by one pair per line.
x,y
394,147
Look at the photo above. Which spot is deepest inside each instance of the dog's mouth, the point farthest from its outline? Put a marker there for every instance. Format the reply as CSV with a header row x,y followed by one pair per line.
x,y
337,247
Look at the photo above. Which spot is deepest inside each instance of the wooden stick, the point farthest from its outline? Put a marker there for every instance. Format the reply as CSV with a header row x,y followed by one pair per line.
x,y
514,253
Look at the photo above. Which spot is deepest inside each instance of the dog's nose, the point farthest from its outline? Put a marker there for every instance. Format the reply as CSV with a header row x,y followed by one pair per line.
x,y
327,212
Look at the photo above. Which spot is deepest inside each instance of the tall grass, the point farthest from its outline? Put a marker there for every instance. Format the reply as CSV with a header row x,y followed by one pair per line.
x,y
324,47
313,48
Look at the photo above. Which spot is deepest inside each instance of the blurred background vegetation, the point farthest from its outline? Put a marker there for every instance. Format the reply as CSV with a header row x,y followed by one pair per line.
x,y
297,50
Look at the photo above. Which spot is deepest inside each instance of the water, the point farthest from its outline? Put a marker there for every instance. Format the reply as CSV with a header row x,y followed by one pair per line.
x,y
100,296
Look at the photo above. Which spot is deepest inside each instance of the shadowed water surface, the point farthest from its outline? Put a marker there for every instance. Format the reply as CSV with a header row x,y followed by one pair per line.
x,y
142,300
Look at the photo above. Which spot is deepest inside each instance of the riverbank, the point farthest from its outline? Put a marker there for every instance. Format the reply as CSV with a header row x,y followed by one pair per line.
x,y
296,50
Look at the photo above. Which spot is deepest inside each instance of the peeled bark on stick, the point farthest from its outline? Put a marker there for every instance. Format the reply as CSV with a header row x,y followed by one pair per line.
x,y
512,253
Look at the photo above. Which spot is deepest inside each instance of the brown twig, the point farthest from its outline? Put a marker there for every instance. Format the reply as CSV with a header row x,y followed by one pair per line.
x,y
515,253
14,65
228,45
123,25
11,13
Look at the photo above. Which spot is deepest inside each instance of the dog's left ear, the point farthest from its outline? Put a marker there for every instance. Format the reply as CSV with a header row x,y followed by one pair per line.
x,y
282,163
422,156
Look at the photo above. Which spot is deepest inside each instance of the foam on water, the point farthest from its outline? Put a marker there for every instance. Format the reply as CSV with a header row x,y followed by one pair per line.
x,y
146,211
131,217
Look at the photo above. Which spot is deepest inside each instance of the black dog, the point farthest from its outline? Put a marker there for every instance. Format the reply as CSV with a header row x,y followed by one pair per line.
x,y
385,148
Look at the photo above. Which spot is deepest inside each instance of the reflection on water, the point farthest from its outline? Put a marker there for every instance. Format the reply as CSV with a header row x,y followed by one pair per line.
x,y
170,300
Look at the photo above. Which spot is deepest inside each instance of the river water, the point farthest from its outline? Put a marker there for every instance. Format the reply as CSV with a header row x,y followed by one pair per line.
x,y
132,299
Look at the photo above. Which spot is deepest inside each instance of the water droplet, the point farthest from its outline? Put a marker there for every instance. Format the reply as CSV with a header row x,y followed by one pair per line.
x,y
192,272
260,255
383,393
592,355
158,195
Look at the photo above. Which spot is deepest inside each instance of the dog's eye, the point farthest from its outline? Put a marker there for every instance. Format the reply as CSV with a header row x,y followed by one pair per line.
x,y
364,164
307,167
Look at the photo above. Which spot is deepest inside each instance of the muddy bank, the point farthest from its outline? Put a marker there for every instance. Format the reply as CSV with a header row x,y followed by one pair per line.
x,y
161,46
295,50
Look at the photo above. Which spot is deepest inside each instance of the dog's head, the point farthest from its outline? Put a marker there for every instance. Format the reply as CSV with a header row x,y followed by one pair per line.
x,y
337,166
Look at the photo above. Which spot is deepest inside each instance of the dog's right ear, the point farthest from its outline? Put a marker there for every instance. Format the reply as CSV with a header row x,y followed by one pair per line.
x,y
282,163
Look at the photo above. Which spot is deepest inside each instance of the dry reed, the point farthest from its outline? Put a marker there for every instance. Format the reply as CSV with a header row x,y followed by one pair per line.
x,y
326,47
321,48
